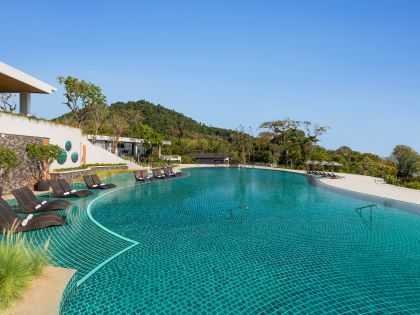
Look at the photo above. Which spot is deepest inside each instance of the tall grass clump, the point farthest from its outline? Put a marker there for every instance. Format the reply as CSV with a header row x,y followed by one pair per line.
x,y
20,262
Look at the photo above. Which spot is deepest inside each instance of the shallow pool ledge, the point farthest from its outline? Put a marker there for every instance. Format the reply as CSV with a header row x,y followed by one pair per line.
x,y
43,296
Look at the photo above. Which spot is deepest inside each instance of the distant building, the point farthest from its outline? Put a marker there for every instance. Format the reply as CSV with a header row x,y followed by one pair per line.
x,y
171,158
126,146
210,158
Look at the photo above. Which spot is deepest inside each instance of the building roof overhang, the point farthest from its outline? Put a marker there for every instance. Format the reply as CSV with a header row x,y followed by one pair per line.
x,y
15,81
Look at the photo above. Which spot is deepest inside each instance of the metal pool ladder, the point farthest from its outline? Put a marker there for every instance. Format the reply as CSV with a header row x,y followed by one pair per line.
x,y
370,207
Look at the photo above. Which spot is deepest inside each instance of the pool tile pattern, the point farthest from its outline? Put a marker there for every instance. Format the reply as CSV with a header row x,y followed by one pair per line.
x,y
290,249
232,241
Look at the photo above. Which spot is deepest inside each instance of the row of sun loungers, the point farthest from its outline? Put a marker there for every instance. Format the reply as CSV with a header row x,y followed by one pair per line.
x,y
29,204
157,173
62,189
9,220
323,174
93,182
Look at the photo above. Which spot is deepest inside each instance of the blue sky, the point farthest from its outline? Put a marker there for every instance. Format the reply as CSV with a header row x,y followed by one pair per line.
x,y
352,65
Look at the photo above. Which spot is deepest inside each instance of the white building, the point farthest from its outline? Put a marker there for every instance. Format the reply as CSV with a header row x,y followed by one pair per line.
x,y
126,146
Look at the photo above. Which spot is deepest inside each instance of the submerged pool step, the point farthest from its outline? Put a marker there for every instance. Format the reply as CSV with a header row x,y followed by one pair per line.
x,y
241,213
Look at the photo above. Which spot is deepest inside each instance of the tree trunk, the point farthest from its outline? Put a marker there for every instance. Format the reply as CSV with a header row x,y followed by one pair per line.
x,y
115,144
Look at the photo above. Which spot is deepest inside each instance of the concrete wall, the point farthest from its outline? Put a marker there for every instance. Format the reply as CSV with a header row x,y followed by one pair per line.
x,y
20,176
86,152
96,154
58,134
70,176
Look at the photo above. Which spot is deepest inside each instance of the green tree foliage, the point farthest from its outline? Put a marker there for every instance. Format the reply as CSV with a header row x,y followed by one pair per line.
x,y
295,139
355,162
118,125
407,161
97,118
8,161
154,123
241,145
169,122
6,102
143,131
41,156
81,97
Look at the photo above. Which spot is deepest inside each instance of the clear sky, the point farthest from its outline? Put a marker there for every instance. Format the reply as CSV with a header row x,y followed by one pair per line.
x,y
352,65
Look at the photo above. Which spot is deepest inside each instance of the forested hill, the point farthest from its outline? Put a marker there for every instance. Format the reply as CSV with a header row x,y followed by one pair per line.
x,y
169,122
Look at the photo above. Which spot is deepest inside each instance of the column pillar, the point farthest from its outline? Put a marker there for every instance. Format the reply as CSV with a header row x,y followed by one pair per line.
x,y
25,103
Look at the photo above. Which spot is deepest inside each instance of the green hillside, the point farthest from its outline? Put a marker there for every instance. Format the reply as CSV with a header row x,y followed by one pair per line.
x,y
169,122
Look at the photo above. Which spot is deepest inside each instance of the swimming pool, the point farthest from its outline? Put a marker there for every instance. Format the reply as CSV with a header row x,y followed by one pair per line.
x,y
237,241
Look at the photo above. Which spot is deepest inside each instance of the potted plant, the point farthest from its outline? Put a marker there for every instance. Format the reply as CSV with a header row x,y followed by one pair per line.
x,y
41,157
8,161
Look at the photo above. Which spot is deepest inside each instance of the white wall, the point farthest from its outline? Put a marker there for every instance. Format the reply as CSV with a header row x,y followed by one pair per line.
x,y
58,134
96,154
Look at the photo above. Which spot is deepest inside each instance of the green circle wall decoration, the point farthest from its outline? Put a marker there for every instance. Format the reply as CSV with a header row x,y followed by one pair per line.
x,y
74,157
62,156
68,145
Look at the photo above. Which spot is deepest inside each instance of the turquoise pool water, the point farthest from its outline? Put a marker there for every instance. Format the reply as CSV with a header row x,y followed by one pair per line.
x,y
230,241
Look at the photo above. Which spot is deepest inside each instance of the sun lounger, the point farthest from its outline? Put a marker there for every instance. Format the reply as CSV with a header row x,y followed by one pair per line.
x,y
9,221
91,184
168,172
138,176
28,203
145,174
141,175
59,192
67,188
157,173
98,182
172,171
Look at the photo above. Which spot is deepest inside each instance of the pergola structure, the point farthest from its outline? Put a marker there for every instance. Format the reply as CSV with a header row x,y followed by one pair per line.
x,y
15,81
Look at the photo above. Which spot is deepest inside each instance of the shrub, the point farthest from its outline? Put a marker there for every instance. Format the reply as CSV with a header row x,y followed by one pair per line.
x,y
8,161
20,262
187,160
413,184
41,156
85,166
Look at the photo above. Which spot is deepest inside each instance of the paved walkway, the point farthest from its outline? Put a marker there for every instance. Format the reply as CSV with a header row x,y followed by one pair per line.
x,y
374,186
43,296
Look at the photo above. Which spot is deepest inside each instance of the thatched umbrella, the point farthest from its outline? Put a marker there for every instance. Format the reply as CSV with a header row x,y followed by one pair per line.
x,y
334,165
316,163
324,163
309,163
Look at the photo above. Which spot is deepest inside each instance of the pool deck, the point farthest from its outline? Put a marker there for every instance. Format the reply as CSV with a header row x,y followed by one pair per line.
x,y
375,187
43,296
367,185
